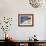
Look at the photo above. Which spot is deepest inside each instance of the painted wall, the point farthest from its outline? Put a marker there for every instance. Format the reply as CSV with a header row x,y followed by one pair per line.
x,y
11,8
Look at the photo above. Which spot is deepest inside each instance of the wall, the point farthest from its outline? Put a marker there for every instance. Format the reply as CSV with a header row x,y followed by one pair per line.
x,y
11,8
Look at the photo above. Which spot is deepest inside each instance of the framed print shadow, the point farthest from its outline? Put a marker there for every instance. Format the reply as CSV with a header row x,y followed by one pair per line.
x,y
25,20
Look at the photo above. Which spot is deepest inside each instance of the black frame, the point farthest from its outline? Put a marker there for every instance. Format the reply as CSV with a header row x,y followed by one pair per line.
x,y
26,25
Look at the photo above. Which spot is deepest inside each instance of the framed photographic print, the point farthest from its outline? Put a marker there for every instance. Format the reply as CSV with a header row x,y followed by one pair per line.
x,y
25,20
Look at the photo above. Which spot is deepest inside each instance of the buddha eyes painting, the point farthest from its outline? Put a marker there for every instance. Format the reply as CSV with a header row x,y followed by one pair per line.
x,y
25,20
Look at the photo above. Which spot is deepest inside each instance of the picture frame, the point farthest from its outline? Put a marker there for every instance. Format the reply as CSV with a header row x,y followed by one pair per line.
x,y
25,20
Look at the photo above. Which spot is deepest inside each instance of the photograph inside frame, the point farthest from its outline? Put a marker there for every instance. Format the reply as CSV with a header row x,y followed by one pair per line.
x,y
25,19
